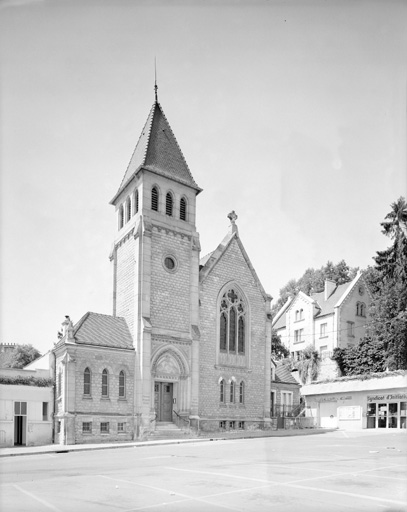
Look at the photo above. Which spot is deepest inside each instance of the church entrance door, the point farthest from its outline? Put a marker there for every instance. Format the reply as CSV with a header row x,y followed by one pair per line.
x,y
163,400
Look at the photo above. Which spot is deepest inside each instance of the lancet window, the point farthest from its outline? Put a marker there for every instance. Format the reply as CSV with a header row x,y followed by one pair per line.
x,y
232,328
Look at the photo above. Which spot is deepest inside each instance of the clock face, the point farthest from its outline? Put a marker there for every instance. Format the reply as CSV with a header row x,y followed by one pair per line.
x,y
361,290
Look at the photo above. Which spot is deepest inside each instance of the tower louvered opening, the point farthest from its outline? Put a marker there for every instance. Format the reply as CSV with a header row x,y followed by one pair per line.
x,y
183,209
168,204
154,199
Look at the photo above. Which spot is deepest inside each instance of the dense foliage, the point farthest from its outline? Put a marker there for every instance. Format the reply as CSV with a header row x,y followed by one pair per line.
x,y
278,349
20,356
385,346
308,365
20,380
313,281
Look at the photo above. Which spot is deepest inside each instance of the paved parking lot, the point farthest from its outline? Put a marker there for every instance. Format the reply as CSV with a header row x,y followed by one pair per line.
x,y
333,471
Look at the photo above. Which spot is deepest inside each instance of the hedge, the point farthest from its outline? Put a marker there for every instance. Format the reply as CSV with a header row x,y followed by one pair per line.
x,y
19,380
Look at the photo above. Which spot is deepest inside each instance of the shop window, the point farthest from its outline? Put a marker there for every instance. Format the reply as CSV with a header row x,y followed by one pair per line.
x,y
222,425
241,425
232,425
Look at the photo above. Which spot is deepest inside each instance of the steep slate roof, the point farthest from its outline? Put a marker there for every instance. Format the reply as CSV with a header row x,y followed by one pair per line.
x,y
102,331
327,306
283,374
158,151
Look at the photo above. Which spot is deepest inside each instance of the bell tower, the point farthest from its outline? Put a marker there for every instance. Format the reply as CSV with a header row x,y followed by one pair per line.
x,y
155,260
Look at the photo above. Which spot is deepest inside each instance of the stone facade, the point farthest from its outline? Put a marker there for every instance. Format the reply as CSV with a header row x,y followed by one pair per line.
x,y
170,303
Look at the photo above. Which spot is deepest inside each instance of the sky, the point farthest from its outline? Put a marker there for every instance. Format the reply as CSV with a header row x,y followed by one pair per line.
x,y
291,113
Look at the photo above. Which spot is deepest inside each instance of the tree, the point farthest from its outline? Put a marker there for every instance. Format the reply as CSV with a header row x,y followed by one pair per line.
x,y
308,364
389,309
278,350
21,355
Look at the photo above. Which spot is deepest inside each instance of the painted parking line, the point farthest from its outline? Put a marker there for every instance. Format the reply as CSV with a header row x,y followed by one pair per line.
x,y
294,483
34,497
166,491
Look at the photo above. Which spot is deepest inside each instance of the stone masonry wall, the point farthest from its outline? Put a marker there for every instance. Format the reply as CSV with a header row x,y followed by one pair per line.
x,y
126,281
232,267
170,291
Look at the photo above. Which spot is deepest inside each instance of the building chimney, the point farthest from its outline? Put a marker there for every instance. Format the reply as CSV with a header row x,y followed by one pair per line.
x,y
329,288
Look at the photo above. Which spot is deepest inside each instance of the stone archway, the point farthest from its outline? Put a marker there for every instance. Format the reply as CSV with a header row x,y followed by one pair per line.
x,y
169,375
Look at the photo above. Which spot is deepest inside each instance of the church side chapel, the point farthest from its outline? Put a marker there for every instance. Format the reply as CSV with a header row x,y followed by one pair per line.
x,y
189,340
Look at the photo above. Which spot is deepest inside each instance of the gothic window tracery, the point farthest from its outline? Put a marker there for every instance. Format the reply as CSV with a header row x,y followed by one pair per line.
x,y
232,323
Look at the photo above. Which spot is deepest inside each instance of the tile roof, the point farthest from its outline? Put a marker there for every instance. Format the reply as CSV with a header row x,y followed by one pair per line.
x,y
157,150
102,331
327,306
283,374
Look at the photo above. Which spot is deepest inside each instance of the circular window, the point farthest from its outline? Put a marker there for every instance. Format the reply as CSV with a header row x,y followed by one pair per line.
x,y
170,263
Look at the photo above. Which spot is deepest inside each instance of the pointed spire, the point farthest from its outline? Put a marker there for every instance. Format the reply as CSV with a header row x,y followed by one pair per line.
x,y
155,80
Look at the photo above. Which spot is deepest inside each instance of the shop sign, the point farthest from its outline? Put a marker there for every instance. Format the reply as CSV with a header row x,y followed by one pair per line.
x,y
378,398
345,398
327,399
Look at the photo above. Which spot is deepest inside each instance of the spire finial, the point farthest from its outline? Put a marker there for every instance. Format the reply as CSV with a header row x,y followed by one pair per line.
x,y
233,217
155,80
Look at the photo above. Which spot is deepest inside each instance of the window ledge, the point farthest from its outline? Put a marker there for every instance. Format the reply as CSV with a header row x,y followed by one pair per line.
x,y
122,399
87,397
105,398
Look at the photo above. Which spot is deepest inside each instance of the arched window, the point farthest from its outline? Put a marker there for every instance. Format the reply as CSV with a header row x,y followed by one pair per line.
x,y
232,325
183,209
241,393
232,392
222,389
121,216
86,382
105,383
128,209
362,309
122,384
135,202
154,199
168,204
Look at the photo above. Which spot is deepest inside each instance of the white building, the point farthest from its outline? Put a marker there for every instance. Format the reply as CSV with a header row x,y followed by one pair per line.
x,y
26,404
334,317
378,401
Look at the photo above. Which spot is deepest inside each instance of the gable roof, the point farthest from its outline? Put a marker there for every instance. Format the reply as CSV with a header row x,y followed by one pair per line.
x,y
102,331
324,307
283,374
157,151
209,261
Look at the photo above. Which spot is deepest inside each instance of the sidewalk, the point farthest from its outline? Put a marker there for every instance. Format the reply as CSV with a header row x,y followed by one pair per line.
x,y
214,436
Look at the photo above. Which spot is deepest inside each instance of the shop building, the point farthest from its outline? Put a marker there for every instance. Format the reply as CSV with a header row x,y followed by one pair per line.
x,y
355,403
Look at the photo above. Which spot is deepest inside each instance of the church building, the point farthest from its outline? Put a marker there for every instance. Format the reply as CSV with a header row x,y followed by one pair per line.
x,y
189,338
